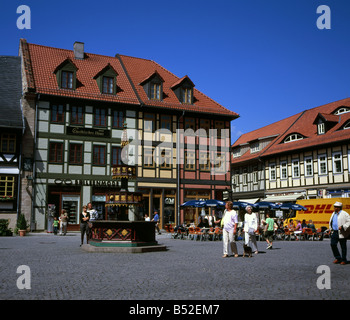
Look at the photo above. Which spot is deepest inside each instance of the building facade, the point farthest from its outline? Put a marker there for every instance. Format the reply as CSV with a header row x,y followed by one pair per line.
x,y
77,104
305,156
11,131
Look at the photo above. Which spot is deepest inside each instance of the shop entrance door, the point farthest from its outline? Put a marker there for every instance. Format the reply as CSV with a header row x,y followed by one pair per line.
x,y
71,204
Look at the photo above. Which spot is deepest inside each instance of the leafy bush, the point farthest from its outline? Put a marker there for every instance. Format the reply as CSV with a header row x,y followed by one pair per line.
x,y
4,230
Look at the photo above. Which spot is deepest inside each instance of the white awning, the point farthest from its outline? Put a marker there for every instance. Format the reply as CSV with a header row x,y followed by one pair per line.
x,y
289,197
9,170
249,200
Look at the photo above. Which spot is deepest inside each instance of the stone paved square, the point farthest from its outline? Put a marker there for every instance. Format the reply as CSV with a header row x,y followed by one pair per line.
x,y
188,270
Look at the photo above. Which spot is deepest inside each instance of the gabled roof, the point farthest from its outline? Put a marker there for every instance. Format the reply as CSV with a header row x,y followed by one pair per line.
x,y
302,123
154,74
327,117
138,69
40,62
10,92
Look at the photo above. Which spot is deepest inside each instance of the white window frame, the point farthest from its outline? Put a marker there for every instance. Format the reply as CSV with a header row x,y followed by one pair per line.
x,y
284,166
340,159
295,165
272,170
308,163
321,128
320,162
255,175
293,137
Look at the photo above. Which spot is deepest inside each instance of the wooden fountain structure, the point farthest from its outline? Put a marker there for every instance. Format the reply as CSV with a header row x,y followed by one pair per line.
x,y
123,232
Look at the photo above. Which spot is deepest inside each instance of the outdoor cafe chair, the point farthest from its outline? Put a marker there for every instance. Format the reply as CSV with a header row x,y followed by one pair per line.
x,y
309,234
191,233
217,233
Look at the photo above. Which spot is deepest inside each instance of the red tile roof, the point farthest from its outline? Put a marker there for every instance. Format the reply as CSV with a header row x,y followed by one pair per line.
x,y
301,123
139,69
40,62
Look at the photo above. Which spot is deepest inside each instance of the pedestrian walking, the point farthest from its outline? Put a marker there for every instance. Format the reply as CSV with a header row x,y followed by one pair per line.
x,y
156,220
63,222
230,221
270,230
84,227
339,225
55,225
250,227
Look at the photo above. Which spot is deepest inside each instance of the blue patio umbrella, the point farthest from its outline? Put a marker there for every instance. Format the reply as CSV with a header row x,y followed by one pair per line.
x,y
266,205
241,205
214,203
194,203
292,206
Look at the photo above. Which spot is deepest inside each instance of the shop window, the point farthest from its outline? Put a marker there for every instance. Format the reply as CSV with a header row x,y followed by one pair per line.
x,y
99,155
8,143
56,152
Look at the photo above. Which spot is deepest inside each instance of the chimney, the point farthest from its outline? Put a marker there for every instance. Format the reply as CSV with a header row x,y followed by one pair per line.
x,y
78,50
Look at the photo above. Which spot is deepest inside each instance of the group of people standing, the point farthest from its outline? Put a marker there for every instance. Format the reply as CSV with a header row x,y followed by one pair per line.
x,y
88,213
339,225
229,225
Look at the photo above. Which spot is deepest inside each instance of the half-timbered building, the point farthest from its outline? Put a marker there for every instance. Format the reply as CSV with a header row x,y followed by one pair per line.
x,y
80,102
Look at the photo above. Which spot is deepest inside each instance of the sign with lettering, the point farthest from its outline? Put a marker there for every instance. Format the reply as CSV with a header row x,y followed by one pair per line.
x,y
89,132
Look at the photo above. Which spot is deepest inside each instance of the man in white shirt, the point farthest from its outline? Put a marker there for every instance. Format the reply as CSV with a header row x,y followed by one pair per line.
x,y
229,231
339,224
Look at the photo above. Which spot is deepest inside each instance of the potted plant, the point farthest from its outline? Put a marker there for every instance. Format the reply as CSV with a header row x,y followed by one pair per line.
x,y
22,225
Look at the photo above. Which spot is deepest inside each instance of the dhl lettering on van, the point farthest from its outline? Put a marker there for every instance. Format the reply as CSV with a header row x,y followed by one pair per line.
x,y
318,208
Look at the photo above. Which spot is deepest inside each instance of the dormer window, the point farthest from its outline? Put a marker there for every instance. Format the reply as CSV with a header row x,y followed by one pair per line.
x,y
67,80
187,95
342,110
321,129
108,85
155,91
255,147
346,125
153,86
66,75
325,122
107,80
293,137
183,89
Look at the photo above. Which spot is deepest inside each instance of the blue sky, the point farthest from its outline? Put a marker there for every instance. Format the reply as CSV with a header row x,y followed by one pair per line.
x,y
265,60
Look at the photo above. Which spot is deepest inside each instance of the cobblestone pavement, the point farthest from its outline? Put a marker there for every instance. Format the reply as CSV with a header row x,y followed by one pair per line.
x,y
188,270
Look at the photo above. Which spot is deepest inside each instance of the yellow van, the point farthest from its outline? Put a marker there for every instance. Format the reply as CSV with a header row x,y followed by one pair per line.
x,y
320,210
